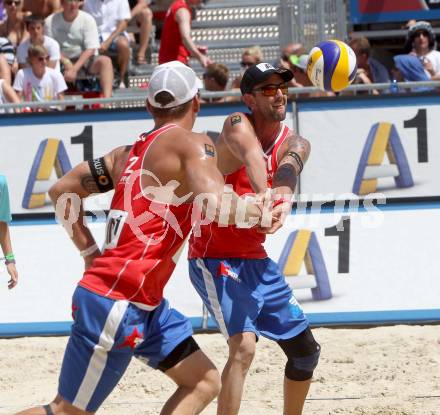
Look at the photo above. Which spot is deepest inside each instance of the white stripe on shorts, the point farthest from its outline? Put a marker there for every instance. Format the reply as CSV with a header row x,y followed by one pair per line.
x,y
212,296
99,357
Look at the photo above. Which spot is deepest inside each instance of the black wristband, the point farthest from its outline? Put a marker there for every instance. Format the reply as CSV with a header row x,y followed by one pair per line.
x,y
297,159
101,175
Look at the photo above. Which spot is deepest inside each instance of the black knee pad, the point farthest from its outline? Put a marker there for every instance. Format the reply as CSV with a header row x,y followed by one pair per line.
x,y
302,353
182,351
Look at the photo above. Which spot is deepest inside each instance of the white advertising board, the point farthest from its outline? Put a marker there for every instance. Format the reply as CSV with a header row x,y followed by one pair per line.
x,y
387,146
381,265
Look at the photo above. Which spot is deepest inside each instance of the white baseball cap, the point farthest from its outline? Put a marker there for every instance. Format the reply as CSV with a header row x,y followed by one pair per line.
x,y
175,78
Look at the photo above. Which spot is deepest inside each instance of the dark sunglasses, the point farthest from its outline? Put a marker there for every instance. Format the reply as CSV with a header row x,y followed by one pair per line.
x,y
10,3
421,32
272,89
245,64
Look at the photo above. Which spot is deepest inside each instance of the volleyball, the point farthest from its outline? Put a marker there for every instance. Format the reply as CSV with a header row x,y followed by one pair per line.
x,y
331,65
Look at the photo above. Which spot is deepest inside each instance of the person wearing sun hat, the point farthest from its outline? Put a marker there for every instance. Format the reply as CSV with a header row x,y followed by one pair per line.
x,y
420,41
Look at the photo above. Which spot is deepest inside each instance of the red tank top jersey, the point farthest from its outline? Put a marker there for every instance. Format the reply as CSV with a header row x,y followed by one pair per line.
x,y
142,237
232,242
171,45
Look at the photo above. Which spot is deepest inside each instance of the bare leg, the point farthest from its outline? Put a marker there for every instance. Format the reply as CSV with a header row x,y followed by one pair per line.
x,y
145,21
295,393
123,56
241,354
104,67
198,383
59,407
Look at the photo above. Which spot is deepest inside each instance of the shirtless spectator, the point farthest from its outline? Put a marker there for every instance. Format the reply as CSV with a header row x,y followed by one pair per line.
x,y
77,34
13,27
35,27
420,42
112,17
176,42
370,70
143,16
215,78
41,7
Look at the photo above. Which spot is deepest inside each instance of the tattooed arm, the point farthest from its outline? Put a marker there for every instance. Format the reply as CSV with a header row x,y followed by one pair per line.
x,y
85,179
239,137
293,155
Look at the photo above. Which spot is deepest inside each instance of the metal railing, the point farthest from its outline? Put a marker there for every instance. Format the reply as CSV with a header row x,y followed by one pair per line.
x,y
139,95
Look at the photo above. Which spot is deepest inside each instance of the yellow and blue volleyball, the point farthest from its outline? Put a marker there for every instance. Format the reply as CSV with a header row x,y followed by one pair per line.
x,y
331,65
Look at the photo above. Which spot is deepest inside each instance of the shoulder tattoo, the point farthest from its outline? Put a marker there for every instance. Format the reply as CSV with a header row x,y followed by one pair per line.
x,y
209,150
235,119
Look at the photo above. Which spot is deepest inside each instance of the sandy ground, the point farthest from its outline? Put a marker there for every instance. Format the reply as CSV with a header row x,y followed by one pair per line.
x,y
384,370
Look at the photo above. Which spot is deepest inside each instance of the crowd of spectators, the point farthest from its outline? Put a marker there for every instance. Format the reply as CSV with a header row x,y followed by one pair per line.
x,y
48,47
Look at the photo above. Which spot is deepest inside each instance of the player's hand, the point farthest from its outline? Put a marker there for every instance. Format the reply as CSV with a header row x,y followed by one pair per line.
x,y
89,259
205,61
279,215
104,47
12,271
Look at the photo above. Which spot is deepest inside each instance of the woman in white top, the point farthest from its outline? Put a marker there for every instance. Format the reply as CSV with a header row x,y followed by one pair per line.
x,y
39,83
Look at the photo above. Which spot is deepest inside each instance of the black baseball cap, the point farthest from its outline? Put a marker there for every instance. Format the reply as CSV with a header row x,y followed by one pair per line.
x,y
258,73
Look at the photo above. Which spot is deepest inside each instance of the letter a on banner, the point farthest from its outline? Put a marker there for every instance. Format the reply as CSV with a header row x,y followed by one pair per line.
x,y
51,154
382,138
302,247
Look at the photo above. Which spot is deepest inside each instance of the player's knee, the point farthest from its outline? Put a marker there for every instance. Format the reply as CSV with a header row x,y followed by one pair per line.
x,y
302,354
210,386
242,351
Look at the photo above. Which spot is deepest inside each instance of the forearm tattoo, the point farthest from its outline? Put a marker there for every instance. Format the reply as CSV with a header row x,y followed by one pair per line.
x,y
285,176
88,183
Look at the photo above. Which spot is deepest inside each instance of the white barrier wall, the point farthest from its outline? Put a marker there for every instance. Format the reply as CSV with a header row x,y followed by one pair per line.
x,y
375,266
339,132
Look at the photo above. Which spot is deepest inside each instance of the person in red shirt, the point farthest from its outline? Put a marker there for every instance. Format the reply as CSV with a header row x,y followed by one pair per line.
x,y
176,42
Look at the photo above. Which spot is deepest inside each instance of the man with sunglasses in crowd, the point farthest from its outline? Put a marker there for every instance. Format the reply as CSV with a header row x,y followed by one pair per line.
x,y
243,289
421,42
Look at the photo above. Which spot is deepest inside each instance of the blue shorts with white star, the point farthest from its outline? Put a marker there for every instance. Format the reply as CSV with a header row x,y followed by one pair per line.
x,y
106,334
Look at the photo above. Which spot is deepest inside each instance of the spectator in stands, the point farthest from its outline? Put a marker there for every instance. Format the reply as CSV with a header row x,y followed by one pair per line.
x,y
13,27
77,34
410,68
112,17
7,93
369,70
290,49
42,8
8,64
298,65
420,41
250,56
143,16
39,82
215,78
176,42
35,27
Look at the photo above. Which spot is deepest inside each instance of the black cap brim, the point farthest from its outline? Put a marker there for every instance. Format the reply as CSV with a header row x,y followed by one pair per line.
x,y
254,76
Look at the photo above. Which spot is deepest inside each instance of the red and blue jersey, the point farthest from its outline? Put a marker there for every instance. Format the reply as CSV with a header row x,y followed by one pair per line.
x,y
142,237
232,242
